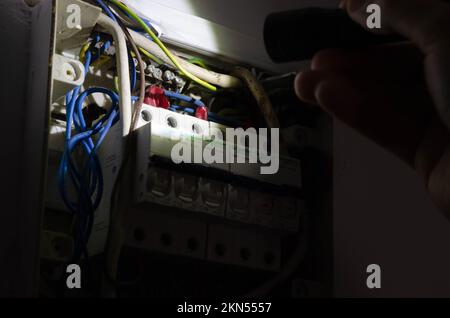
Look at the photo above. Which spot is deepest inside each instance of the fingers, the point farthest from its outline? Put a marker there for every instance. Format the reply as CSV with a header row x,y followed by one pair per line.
x,y
395,70
398,64
306,83
368,109
427,24
386,93
338,96
431,150
395,55
437,73
424,22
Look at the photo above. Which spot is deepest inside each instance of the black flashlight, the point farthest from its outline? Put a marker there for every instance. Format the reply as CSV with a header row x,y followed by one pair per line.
x,y
298,35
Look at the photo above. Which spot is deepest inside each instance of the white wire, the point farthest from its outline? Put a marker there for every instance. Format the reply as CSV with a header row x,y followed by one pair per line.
x,y
222,80
122,69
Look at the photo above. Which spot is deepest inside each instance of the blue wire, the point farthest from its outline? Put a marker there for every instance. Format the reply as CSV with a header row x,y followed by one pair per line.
x,y
184,109
88,215
107,10
66,162
132,72
131,60
89,184
184,98
98,128
86,208
102,127
71,100
211,116
146,21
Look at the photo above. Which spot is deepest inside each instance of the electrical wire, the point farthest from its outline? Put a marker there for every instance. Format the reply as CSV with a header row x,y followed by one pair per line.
x,y
151,56
200,109
86,208
213,77
83,51
199,62
218,79
128,21
107,10
169,54
122,184
176,108
71,100
89,183
184,98
122,69
113,17
264,103
133,72
198,103
140,101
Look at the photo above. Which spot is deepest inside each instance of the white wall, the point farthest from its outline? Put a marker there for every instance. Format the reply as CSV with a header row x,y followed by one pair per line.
x,y
384,216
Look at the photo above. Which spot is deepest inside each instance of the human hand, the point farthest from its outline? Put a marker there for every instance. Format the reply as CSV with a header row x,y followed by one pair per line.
x,y
396,95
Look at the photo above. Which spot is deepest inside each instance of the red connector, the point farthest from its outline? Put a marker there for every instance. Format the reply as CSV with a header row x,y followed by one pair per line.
x,y
154,96
202,113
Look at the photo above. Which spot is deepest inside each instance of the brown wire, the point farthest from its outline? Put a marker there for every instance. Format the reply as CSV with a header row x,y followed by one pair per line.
x,y
264,103
262,99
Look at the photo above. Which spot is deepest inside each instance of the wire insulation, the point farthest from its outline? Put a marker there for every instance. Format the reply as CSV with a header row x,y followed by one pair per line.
x,y
166,51
122,69
218,79
87,182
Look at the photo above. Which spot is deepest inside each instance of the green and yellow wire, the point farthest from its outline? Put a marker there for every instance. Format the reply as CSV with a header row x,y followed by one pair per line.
x,y
166,51
199,62
151,56
83,50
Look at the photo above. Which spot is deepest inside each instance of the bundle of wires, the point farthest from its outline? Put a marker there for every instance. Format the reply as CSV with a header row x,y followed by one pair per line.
x,y
127,21
184,98
85,175
196,104
145,26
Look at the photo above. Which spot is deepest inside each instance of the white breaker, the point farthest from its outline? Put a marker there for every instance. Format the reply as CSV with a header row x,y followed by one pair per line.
x,y
201,194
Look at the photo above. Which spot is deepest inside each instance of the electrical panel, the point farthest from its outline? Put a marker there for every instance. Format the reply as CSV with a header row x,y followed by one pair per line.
x,y
118,118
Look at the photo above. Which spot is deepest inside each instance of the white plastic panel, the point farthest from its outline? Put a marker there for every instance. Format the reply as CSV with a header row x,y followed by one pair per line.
x,y
69,34
233,29
243,248
167,234
67,74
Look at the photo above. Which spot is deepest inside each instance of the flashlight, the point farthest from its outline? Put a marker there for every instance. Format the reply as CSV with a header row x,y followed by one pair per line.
x,y
298,35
